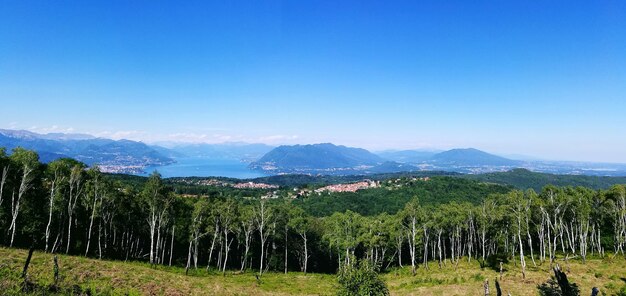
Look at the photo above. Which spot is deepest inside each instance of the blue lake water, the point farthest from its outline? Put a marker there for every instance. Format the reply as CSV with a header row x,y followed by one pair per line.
x,y
204,167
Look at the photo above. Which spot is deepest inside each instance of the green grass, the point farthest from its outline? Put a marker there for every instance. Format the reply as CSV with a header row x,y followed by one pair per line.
x,y
609,275
101,277
79,275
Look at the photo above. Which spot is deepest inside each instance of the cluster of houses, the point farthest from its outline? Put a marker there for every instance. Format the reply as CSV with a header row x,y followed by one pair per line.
x,y
252,185
349,187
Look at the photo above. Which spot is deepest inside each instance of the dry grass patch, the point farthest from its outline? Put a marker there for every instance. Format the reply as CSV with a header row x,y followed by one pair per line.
x,y
100,277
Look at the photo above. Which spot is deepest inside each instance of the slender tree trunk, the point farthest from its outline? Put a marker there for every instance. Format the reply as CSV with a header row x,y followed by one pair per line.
x,y
188,258
306,252
521,247
286,248
50,209
75,192
425,263
439,246
99,239
152,222
25,184
215,234
226,249
93,214
3,180
172,246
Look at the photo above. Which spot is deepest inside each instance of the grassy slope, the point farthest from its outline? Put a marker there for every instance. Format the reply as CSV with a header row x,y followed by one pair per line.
x,y
468,279
111,277
119,278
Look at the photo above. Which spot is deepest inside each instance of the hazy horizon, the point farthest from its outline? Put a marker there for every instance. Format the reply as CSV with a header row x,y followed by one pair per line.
x,y
546,80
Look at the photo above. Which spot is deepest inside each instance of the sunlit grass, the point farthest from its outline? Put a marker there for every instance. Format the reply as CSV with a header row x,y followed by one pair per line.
x,y
100,277
468,277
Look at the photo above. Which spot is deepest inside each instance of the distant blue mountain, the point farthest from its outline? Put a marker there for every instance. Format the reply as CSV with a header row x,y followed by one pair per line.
x,y
331,159
407,156
391,167
239,151
316,157
470,157
85,148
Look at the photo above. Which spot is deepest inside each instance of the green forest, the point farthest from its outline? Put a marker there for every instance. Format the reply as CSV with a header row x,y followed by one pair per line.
x,y
65,207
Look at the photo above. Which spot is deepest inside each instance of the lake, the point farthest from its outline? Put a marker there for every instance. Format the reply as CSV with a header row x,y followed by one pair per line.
x,y
205,167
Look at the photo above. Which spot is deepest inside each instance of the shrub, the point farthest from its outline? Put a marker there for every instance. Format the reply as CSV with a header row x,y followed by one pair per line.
x,y
361,279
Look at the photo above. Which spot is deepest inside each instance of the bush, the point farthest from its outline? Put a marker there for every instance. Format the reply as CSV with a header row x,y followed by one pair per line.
x,y
362,280
622,291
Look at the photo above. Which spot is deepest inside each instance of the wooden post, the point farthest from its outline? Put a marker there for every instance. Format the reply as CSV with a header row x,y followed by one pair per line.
x,y
56,270
498,290
500,270
30,255
561,279
486,286
595,291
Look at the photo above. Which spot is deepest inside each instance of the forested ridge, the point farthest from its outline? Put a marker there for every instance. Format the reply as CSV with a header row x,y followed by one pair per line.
x,y
66,207
524,179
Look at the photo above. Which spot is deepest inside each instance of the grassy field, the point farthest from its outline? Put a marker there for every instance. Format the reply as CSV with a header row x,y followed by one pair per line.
x,y
88,276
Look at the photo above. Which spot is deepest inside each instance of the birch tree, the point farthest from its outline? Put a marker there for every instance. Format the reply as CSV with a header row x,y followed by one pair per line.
x,y
518,207
228,218
76,186
4,165
154,195
199,215
27,161
246,228
412,214
300,223
56,178
263,216
95,192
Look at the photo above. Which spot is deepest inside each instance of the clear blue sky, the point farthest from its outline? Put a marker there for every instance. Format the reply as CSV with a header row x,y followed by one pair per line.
x,y
546,78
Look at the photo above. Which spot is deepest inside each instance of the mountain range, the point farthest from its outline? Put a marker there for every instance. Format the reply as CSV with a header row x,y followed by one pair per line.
x,y
332,159
123,156
126,156
235,150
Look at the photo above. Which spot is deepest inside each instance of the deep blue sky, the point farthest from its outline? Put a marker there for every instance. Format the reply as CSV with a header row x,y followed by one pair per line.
x,y
546,78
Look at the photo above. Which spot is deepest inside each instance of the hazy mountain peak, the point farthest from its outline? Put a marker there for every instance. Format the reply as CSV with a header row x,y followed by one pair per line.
x,y
322,156
471,157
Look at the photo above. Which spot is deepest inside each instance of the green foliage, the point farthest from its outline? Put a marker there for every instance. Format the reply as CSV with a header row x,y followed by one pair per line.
x,y
523,179
558,285
300,180
392,196
361,279
125,217
551,288
622,291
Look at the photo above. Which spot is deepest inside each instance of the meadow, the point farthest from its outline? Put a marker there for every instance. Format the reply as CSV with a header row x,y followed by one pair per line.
x,y
86,276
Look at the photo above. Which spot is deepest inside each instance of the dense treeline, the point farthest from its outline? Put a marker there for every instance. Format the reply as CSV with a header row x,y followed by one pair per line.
x,y
300,180
65,207
393,194
524,179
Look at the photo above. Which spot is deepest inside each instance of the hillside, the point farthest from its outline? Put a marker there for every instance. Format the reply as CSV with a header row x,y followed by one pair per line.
x,y
524,179
84,276
407,156
238,151
317,157
393,194
111,155
470,157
